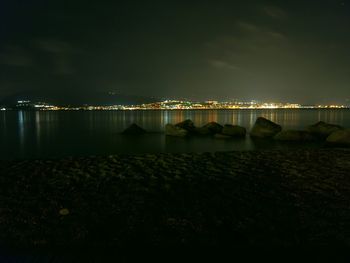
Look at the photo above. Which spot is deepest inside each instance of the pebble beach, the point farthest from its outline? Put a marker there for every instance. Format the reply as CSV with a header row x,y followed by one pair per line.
x,y
261,198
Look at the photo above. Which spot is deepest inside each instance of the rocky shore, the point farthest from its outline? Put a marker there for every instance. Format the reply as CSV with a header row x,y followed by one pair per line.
x,y
263,198
263,129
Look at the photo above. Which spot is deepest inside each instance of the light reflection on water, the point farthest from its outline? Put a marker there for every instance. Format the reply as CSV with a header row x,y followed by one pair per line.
x,y
48,134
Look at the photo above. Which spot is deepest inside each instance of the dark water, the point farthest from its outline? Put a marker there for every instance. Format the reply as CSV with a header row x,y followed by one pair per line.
x,y
30,134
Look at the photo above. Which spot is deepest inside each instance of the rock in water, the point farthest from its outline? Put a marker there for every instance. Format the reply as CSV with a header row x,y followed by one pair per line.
x,y
173,130
210,128
340,137
134,129
187,125
294,136
264,128
234,130
323,130
222,136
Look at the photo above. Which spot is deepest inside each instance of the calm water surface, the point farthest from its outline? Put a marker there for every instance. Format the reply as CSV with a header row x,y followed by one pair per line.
x,y
34,134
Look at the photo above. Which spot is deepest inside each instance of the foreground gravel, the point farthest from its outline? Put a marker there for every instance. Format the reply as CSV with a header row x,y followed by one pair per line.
x,y
264,198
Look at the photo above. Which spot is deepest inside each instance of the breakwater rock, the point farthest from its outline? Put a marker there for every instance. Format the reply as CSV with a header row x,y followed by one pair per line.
x,y
234,130
134,129
323,130
175,131
187,125
264,128
340,138
294,136
210,128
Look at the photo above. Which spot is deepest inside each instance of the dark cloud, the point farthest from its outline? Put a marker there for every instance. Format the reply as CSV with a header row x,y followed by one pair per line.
x,y
61,53
15,56
220,64
275,12
285,50
54,46
247,27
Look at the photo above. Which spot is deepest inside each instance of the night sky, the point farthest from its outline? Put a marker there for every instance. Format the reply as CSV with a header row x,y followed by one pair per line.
x,y
296,51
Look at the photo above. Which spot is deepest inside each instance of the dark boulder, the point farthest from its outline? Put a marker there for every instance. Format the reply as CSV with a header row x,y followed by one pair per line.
x,y
187,125
264,128
339,138
134,129
323,130
294,136
210,128
222,136
173,130
234,131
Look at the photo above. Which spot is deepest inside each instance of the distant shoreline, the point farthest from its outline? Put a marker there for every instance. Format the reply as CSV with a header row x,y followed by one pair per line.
x,y
221,109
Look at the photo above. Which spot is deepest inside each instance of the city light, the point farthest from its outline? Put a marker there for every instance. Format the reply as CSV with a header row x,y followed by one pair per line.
x,y
179,105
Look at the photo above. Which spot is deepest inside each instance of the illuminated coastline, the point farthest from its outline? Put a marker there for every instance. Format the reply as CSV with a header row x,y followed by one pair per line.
x,y
176,105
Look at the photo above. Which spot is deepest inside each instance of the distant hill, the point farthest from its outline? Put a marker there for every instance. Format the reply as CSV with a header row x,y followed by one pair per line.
x,y
78,99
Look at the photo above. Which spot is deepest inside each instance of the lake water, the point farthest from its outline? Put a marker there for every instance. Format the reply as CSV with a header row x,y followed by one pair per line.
x,y
37,134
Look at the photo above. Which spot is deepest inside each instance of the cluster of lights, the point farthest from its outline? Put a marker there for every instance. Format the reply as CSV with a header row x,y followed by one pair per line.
x,y
179,105
332,106
175,104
